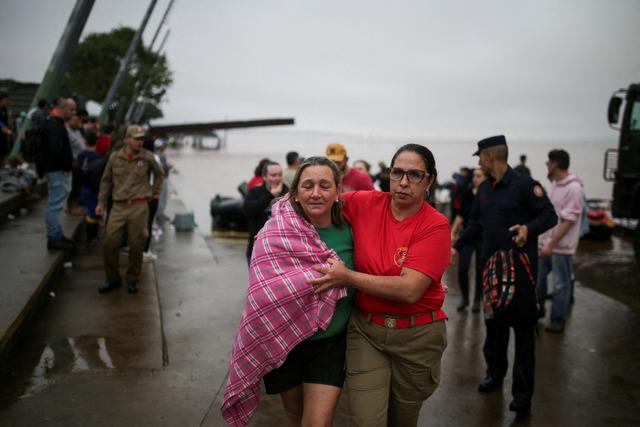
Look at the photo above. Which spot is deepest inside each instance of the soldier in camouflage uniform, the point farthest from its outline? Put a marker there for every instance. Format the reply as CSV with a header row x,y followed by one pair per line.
x,y
126,180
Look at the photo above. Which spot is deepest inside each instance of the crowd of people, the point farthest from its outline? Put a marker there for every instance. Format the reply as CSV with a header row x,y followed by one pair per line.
x,y
345,281
90,171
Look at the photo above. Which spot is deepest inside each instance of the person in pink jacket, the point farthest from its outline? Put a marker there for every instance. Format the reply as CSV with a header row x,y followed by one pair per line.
x,y
558,245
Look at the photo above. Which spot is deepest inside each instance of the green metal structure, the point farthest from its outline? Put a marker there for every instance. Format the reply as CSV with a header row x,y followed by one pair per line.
x,y
50,86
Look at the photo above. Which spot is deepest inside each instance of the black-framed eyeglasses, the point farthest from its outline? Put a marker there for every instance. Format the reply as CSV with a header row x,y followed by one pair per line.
x,y
413,175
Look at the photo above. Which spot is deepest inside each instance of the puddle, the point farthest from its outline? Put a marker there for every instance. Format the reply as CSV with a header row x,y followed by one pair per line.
x,y
37,368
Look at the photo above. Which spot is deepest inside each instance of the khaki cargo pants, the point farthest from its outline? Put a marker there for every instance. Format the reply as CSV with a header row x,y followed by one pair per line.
x,y
132,217
391,372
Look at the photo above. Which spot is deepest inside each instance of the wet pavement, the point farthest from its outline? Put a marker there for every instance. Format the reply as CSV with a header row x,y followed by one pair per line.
x,y
154,358
159,358
609,268
25,266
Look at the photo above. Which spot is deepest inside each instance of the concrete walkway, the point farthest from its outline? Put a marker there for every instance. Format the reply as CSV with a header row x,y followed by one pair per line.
x,y
26,265
158,358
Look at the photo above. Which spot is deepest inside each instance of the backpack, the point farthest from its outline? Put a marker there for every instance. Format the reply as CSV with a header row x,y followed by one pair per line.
x,y
92,170
509,287
34,149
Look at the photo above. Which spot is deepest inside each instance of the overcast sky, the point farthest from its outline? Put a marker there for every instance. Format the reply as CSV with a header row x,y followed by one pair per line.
x,y
538,70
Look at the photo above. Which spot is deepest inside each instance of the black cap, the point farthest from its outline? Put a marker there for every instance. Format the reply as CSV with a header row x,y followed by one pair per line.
x,y
492,141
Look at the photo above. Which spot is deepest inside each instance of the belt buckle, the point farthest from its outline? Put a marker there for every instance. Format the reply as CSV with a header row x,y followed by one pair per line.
x,y
390,322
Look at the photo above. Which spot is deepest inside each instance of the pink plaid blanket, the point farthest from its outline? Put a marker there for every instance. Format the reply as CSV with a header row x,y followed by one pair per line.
x,y
280,309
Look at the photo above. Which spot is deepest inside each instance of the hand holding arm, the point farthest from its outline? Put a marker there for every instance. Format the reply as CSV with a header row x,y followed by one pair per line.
x,y
407,288
335,275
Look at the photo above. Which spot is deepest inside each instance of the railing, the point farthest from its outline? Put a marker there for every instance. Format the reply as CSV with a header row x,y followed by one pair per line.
x,y
610,164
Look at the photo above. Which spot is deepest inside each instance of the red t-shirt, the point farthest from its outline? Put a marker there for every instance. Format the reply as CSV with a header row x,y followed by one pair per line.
x,y
356,180
103,145
254,182
382,245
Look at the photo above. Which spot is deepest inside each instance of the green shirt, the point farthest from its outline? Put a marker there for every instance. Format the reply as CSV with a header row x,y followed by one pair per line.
x,y
341,241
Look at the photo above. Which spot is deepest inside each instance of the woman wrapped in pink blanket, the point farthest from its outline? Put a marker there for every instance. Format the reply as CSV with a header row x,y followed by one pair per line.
x,y
289,335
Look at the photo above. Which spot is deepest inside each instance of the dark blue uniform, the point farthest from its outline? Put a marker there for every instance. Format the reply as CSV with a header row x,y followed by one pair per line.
x,y
515,199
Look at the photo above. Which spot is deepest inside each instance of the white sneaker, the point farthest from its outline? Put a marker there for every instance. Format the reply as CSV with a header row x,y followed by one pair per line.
x,y
149,256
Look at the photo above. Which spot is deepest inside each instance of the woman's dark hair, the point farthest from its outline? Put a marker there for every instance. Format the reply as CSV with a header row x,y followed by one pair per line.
x,y
422,151
258,170
336,209
266,165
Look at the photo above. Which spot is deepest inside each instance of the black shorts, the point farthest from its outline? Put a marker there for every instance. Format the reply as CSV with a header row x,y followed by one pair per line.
x,y
313,362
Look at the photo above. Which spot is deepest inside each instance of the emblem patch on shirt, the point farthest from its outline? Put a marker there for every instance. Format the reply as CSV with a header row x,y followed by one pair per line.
x,y
400,255
140,163
538,191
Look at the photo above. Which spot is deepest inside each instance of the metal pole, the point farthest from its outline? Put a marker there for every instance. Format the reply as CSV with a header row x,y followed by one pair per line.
x,y
139,111
136,91
60,60
136,88
124,64
134,102
162,22
137,115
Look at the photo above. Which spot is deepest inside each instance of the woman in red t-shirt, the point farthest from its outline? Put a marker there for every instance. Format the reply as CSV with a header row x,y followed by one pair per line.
x,y
397,334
